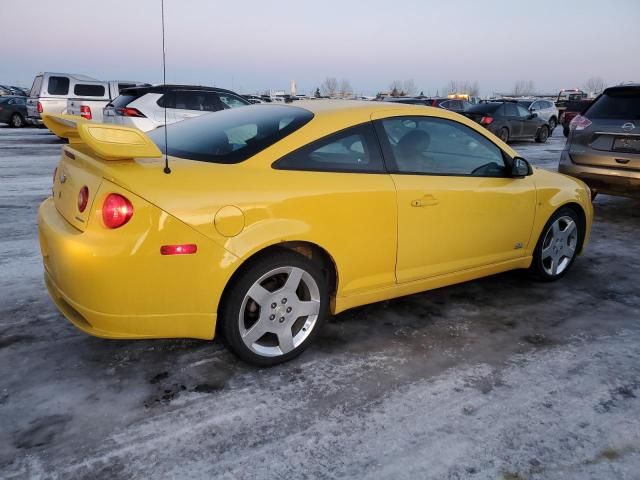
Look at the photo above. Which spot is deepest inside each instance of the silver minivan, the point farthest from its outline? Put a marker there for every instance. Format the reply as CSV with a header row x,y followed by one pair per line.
x,y
50,92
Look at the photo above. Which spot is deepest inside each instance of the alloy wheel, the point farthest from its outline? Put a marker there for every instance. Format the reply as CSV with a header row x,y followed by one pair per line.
x,y
559,245
279,311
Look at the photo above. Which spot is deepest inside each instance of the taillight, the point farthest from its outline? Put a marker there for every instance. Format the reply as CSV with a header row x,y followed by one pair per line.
x,y
579,123
129,112
486,120
85,112
39,107
185,249
83,198
116,210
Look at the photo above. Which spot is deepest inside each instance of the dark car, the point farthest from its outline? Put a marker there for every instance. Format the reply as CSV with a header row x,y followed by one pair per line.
x,y
572,109
509,121
603,147
13,110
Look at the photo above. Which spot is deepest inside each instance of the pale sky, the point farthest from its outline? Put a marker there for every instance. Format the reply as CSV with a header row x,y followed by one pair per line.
x,y
251,45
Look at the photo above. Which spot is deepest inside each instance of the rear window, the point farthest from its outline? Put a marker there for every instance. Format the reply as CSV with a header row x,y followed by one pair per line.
x,y
616,104
230,136
58,86
35,88
87,90
484,108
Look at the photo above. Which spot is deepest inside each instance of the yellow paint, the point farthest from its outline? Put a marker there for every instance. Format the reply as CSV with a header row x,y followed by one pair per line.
x,y
114,283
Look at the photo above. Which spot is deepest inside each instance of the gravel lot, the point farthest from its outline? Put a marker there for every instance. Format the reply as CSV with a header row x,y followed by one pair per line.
x,y
500,378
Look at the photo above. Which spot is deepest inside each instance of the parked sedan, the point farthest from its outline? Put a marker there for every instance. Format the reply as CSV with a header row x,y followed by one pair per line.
x,y
274,216
603,148
509,121
149,107
13,110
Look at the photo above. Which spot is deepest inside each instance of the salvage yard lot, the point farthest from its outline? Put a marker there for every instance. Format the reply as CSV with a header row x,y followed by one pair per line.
x,y
497,378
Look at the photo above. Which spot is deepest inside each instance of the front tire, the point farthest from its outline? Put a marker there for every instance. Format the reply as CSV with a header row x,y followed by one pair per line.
x,y
16,121
552,124
543,134
275,308
557,246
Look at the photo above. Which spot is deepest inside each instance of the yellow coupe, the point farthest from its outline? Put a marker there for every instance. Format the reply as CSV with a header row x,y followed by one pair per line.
x,y
274,216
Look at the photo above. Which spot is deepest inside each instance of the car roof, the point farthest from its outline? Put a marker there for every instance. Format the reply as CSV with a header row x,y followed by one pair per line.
x,y
163,88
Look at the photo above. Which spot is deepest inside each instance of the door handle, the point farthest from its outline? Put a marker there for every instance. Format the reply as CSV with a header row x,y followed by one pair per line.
x,y
425,201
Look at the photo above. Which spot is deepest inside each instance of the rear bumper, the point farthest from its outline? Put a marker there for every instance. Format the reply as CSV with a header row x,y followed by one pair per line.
x,y
603,180
125,289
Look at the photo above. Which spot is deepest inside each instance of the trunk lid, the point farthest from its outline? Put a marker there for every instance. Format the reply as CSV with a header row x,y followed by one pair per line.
x,y
74,172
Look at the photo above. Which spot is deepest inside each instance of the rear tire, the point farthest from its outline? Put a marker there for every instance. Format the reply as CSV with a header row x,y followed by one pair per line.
x,y
558,245
503,134
275,308
16,121
543,134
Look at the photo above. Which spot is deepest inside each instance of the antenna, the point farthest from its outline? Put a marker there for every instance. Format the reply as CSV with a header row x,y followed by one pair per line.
x,y
164,81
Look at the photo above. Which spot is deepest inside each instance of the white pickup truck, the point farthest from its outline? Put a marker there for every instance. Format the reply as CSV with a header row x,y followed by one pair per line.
x,y
94,96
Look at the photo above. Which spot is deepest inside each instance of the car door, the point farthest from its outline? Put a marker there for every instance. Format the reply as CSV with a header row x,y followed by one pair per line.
x,y
457,206
529,124
514,122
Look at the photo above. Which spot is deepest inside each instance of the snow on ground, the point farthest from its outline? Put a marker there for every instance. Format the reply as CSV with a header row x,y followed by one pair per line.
x,y
498,378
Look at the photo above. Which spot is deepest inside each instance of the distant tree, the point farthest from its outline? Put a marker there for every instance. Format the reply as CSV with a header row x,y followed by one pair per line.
x,y
329,87
463,86
524,87
345,90
422,93
395,88
409,87
317,94
395,92
595,85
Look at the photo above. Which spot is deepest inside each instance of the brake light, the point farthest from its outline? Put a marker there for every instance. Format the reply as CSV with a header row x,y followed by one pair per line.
x,y
579,123
186,249
39,107
129,112
116,211
83,198
85,112
486,120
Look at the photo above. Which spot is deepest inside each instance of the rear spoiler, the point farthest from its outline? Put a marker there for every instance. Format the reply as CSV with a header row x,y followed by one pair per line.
x,y
110,142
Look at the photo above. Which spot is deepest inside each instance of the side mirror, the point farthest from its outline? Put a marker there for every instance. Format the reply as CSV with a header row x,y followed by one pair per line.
x,y
520,168
533,115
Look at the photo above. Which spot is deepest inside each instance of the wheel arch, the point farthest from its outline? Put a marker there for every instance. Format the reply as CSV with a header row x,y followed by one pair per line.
x,y
312,251
582,217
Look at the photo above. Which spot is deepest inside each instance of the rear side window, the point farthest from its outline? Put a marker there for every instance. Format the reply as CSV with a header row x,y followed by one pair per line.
x,y
122,101
58,86
191,100
484,108
354,149
37,85
230,136
616,104
510,110
88,90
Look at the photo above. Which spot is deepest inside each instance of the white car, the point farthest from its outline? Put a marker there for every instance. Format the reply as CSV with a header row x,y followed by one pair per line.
x,y
94,96
145,107
545,109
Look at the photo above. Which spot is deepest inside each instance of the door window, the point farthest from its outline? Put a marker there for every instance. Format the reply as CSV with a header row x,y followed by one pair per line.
x,y
231,101
435,146
58,86
354,149
522,112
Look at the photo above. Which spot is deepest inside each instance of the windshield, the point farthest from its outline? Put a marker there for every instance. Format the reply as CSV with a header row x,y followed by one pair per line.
x,y
231,136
